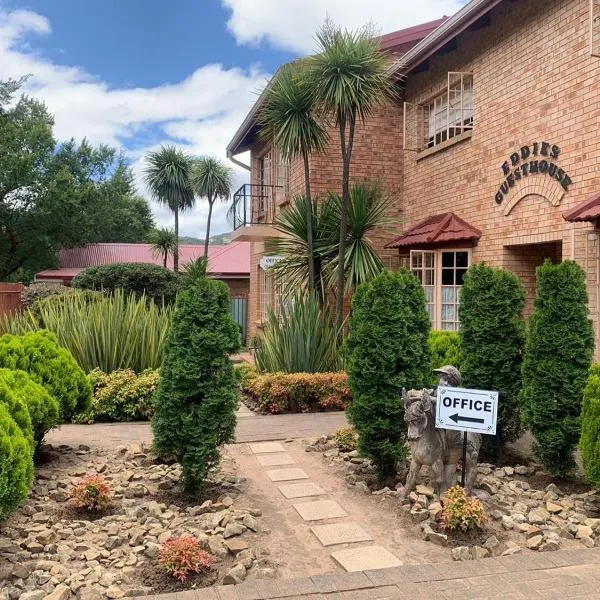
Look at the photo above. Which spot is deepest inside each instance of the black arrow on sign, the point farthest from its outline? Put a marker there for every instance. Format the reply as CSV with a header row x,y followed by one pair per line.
x,y
456,418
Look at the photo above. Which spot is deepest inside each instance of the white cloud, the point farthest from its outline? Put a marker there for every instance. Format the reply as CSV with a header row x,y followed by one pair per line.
x,y
200,113
291,24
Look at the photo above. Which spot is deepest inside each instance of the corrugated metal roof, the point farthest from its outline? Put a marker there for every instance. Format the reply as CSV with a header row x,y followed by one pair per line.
x,y
229,260
435,230
586,211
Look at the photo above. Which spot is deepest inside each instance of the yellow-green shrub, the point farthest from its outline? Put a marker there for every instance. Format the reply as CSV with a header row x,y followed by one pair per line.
x,y
346,438
590,427
462,511
298,392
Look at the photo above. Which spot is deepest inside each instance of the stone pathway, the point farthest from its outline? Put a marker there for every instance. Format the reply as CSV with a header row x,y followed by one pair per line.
x,y
341,531
561,575
250,428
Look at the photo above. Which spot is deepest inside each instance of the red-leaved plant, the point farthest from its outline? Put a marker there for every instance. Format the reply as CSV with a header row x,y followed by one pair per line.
x,y
182,556
91,493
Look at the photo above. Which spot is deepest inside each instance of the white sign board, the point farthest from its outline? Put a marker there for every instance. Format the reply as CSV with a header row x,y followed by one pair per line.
x,y
466,410
266,262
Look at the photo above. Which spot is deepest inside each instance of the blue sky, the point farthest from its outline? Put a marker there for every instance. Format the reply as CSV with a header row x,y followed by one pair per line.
x,y
138,73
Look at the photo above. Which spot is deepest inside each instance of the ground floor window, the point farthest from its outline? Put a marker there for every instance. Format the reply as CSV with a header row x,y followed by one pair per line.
x,y
441,274
270,293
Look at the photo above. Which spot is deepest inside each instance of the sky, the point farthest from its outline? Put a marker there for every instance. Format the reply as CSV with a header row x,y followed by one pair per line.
x,y
135,74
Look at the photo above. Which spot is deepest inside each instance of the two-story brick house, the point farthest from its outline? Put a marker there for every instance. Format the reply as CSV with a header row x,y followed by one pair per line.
x,y
492,154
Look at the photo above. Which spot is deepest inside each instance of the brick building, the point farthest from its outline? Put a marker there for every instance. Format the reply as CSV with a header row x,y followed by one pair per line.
x,y
490,155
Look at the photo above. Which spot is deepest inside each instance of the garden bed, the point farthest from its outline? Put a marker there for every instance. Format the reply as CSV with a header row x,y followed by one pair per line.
x,y
48,546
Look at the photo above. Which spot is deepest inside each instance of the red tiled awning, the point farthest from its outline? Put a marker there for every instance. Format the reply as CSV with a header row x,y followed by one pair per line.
x,y
437,230
586,211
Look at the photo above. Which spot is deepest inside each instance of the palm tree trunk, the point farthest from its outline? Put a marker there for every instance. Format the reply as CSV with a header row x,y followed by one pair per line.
x,y
309,224
346,158
210,209
176,248
165,256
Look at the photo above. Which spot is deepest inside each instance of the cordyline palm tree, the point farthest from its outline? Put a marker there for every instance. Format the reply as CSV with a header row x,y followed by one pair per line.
x,y
288,118
168,178
211,179
164,242
366,211
349,79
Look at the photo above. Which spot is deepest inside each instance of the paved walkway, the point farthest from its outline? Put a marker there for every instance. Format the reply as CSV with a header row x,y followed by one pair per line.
x,y
561,575
250,428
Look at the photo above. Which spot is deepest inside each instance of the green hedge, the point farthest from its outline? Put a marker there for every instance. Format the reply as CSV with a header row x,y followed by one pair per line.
x,y
444,347
154,281
47,363
296,392
589,443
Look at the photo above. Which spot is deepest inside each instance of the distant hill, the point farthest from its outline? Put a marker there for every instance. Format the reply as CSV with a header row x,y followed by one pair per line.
x,y
217,240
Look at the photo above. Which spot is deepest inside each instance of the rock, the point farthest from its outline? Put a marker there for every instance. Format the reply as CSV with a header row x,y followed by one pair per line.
x,y
33,595
551,507
265,573
152,550
507,523
549,546
425,490
109,578
233,529
114,592
538,516
61,592
91,554
533,543
509,471
521,470
429,535
554,489
477,552
236,545
227,502
584,531
461,553
588,542
89,593
250,522
217,547
59,495
235,575
435,511
511,548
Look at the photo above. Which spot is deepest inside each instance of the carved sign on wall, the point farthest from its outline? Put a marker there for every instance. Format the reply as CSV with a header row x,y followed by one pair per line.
x,y
538,158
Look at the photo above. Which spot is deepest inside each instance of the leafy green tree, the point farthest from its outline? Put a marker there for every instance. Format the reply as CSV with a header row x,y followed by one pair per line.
x,y
288,118
589,443
197,395
558,355
164,243
445,350
348,76
387,349
210,178
492,340
366,212
168,179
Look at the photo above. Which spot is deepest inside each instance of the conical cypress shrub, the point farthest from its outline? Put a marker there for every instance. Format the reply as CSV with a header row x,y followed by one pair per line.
x,y
558,355
589,443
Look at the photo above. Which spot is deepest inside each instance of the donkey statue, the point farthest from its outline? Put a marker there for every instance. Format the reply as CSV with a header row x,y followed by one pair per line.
x,y
440,449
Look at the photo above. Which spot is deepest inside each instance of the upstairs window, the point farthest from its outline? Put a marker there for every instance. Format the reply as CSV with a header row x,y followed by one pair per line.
x,y
283,180
447,115
264,181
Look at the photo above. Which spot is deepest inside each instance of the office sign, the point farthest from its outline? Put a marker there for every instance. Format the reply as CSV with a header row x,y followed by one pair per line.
x,y
266,262
463,409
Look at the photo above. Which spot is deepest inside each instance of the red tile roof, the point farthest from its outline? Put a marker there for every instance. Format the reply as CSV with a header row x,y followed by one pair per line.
x,y
410,35
586,211
436,230
229,260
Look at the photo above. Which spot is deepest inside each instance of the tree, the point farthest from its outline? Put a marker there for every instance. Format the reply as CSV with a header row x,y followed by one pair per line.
x,y
197,394
288,118
387,349
558,355
492,342
164,243
366,212
211,179
168,178
349,79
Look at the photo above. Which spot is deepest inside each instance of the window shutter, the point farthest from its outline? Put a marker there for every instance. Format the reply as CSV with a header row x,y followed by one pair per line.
x,y
413,135
595,27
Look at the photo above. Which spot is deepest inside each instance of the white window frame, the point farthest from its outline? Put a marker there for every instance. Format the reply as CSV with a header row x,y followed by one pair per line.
x,y
283,172
420,263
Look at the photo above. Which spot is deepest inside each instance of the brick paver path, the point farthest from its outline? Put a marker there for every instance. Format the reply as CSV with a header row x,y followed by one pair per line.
x,y
250,428
561,575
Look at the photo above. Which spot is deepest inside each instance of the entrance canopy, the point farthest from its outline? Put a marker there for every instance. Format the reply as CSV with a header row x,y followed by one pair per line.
x,y
586,211
436,231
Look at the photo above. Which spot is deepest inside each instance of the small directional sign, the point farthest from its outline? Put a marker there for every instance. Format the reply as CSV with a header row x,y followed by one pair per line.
x,y
466,410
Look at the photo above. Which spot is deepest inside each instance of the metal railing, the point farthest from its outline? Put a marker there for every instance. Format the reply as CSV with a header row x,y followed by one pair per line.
x,y
252,204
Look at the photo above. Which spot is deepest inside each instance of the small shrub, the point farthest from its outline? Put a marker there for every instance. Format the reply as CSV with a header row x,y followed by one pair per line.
x,y
197,394
298,392
182,556
43,409
16,464
52,366
40,290
387,349
445,349
245,373
462,511
17,409
153,281
121,396
92,493
590,427
346,438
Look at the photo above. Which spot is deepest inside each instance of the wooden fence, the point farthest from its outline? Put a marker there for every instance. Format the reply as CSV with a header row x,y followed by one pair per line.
x,y
10,297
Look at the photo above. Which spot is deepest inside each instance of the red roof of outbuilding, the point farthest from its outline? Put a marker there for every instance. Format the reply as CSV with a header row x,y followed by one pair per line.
x,y
586,211
435,230
229,260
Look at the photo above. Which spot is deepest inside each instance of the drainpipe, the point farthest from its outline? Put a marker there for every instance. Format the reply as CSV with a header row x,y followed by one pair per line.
x,y
237,162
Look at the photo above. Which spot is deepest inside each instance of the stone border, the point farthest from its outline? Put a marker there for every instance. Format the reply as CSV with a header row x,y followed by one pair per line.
x,y
406,581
